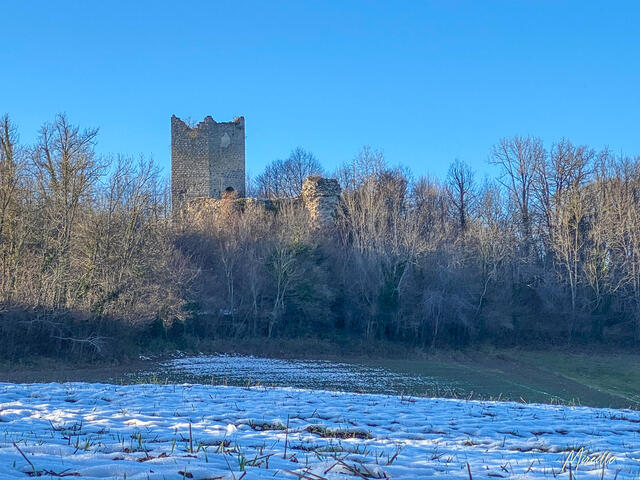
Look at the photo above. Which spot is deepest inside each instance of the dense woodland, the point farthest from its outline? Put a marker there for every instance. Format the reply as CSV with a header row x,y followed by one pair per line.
x,y
93,262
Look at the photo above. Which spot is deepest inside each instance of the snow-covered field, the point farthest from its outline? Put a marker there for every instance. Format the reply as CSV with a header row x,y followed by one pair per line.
x,y
314,374
205,432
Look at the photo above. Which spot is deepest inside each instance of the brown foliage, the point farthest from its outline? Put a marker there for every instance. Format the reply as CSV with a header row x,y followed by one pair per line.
x,y
550,251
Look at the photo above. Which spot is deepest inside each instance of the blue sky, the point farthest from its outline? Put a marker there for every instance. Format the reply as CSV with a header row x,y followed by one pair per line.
x,y
425,81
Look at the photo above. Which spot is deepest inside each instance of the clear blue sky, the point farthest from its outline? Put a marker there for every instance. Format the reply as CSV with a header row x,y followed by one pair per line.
x,y
425,81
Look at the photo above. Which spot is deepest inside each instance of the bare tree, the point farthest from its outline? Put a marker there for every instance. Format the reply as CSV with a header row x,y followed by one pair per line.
x,y
519,159
624,228
568,241
493,242
566,167
430,202
284,178
13,228
283,264
598,273
562,200
461,191
378,223
66,172
368,163
10,170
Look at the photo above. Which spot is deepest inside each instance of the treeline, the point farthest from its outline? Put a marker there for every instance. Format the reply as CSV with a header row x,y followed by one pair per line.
x,y
92,257
86,249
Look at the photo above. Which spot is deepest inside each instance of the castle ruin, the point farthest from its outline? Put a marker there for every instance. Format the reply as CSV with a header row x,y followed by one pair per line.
x,y
208,164
206,160
321,197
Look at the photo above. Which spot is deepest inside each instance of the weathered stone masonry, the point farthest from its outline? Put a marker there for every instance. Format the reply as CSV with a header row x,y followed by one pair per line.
x,y
321,197
206,160
207,164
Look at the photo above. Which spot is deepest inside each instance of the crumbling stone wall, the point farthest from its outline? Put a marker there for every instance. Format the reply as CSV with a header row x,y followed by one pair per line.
x,y
207,164
206,160
321,197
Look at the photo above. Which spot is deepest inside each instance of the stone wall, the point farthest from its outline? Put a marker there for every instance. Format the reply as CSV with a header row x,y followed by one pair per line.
x,y
207,164
321,197
206,160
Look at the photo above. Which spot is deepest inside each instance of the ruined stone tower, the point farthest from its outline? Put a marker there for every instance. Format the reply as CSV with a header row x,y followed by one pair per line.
x,y
206,160
321,197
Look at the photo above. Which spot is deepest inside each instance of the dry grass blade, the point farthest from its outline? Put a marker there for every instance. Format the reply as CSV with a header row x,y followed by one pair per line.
x,y
362,471
286,438
33,467
305,475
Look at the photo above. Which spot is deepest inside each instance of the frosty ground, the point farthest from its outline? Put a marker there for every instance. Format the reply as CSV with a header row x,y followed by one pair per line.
x,y
310,374
213,432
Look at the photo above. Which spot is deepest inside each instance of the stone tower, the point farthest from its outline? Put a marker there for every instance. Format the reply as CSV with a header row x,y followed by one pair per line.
x,y
321,197
206,160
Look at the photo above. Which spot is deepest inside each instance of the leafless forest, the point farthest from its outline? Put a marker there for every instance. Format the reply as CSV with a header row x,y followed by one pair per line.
x,y
94,264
